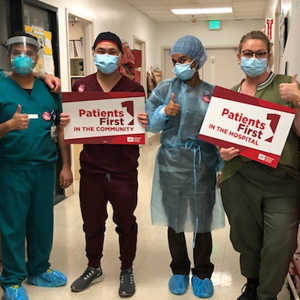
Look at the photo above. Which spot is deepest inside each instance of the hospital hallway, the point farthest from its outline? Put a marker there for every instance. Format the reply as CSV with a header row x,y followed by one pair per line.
x,y
151,266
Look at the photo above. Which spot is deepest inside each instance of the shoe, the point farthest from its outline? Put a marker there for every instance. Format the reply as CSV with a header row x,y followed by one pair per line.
x,y
89,276
249,292
15,292
178,284
127,285
50,278
202,288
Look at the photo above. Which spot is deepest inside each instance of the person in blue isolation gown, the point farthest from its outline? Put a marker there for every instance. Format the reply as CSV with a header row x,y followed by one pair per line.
x,y
184,194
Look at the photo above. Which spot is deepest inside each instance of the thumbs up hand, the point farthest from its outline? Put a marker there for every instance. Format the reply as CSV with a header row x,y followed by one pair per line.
x,y
19,121
290,91
172,108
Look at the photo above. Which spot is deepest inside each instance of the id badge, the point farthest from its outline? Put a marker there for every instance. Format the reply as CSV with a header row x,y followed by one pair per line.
x,y
54,133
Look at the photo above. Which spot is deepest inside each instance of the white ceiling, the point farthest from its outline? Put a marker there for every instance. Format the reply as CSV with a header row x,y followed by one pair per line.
x,y
160,10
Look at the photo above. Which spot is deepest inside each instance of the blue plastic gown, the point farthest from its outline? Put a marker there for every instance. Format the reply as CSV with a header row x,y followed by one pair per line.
x,y
184,194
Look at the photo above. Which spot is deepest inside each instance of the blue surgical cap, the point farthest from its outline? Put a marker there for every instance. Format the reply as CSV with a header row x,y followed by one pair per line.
x,y
192,47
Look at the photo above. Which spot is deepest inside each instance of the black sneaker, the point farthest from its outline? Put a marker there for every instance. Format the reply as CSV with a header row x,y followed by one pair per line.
x,y
249,293
127,286
89,276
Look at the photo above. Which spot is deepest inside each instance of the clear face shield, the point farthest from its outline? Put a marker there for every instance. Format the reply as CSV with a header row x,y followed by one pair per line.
x,y
23,54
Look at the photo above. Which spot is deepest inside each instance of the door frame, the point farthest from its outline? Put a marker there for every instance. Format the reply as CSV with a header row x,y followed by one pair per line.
x,y
89,66
88,32
142,41
163,62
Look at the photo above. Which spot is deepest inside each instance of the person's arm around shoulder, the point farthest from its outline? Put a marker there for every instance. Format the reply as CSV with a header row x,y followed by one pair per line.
x,y
19,121
51,81
290,93
3,74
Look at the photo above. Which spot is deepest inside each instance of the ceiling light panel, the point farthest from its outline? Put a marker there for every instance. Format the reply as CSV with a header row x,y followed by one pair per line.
x,y
200,11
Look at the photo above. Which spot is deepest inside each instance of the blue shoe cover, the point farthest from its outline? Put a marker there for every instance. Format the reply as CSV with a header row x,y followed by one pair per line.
x,y
178,284
15,292
50,278
202,288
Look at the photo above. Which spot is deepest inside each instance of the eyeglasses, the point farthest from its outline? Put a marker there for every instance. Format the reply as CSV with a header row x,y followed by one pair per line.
x,y
258,54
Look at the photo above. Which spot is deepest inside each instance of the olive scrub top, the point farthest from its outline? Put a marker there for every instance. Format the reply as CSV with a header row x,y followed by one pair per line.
x,y
289,160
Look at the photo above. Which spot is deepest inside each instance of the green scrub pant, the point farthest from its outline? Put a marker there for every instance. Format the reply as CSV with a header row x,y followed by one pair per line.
x,y
262,205
26,211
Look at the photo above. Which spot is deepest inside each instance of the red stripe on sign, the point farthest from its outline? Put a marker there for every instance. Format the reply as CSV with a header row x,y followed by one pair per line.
x,y
77,96
221,92
257,155
133,139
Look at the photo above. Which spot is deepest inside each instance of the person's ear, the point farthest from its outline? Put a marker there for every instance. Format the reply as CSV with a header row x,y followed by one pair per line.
x,y
270,60
194,65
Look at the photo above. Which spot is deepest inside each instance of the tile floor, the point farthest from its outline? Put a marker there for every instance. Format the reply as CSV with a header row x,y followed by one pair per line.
x,y
151,266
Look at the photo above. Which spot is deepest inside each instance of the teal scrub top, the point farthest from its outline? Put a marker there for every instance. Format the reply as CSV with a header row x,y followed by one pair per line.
x,y
2,74
33,147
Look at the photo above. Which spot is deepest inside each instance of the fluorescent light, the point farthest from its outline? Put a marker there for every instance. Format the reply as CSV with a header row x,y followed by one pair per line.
x,y
200,11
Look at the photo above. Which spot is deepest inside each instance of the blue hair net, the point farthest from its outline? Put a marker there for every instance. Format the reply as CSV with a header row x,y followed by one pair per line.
x,y
192,47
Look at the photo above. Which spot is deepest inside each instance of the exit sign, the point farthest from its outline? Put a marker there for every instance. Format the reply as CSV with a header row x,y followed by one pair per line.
x,y
214,25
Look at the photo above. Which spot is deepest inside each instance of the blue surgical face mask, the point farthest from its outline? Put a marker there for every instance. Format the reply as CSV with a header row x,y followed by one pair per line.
x,y
106,64
22,64
184,71
254,67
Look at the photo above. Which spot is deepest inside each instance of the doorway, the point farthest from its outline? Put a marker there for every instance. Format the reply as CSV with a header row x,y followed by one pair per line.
x,y
140,44
222,67
80,37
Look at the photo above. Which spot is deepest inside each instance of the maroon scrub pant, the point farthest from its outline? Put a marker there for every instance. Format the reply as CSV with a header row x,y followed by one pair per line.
x,y
120,189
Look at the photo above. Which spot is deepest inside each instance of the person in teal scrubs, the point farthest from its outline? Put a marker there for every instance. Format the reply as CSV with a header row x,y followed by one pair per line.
x,y
29,130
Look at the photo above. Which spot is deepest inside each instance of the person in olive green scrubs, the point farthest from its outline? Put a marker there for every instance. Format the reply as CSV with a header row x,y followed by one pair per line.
x,y
263,203
29,114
